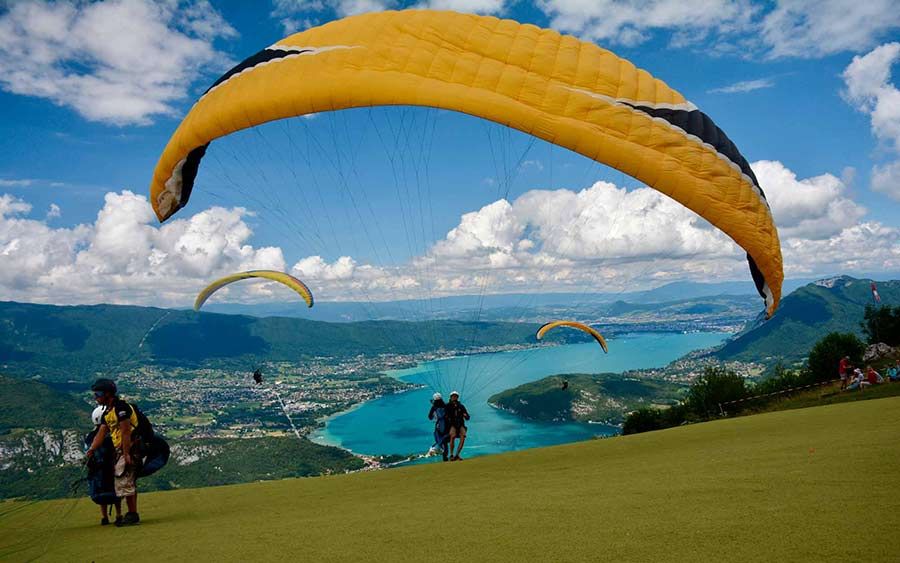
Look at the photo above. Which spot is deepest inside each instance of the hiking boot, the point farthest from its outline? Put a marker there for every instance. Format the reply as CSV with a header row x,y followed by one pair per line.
x,y
104,521
130,519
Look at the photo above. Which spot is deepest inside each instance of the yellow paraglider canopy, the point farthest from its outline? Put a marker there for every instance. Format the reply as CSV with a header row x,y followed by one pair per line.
x,y
280,277
574,324
555,87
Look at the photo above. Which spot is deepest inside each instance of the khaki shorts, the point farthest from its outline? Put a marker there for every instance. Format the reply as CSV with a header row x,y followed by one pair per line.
x,y
125,476
457,432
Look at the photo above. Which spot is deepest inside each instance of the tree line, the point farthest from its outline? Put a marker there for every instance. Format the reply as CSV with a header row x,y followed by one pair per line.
x,y
718,385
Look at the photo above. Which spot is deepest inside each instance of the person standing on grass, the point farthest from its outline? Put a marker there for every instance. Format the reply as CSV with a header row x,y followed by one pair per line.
x,y
119,423
844,371
457,415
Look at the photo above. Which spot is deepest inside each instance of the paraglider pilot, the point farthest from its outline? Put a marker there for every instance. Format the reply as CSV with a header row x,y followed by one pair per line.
x,y
118,422
457,415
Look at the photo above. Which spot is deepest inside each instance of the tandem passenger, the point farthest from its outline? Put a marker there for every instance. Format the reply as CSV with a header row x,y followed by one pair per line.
x,y
457,415
439,416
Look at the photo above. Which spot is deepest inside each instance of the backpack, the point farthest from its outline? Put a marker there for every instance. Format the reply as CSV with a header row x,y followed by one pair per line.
x,y
156,457
144,428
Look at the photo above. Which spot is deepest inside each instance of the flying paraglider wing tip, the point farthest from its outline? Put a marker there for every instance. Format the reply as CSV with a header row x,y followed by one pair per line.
x,y
281,277
577,325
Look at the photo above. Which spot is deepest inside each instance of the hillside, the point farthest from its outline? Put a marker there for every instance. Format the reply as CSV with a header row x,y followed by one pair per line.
x,y
34,466
76,343
30,404
805,316
73,344
606,397
709,491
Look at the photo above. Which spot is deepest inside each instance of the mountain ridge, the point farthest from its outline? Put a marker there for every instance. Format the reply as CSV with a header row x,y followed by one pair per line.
x,y
833,304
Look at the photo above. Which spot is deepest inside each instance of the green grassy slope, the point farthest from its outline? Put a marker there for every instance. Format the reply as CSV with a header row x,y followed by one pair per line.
x,y
818,484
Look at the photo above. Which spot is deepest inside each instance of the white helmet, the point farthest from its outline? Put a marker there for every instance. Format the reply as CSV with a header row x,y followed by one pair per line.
x,y
97,415
436,396
454,393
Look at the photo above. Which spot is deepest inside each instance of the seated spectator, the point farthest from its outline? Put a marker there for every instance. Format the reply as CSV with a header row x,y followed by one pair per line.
x,y
873,377
858,381
893,372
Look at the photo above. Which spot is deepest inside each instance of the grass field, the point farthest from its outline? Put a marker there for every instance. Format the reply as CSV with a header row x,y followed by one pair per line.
x,y
816,484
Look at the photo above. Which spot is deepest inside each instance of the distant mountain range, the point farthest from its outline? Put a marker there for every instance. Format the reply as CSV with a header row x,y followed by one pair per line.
x,y
805,316
75,343
517,307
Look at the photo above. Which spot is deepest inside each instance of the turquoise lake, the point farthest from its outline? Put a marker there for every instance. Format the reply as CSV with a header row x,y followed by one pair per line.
x,y
398,424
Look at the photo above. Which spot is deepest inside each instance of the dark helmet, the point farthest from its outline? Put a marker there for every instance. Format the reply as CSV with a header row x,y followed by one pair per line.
x,y
104,385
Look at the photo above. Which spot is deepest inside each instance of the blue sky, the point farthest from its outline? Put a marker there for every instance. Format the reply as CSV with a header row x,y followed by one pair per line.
x,y
803,87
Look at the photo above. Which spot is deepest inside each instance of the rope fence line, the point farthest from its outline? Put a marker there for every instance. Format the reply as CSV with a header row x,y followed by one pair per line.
x,y
782,392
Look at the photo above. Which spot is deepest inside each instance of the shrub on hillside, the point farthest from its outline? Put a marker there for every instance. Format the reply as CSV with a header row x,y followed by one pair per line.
x,y
827,353
647,419
716,385
882,324
642,420
781,379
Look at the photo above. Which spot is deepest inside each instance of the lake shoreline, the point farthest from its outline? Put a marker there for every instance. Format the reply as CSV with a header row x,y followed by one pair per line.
x,y
403,427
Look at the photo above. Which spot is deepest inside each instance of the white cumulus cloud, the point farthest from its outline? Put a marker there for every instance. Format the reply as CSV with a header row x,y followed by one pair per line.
x,y
15,182
603,238
870,89
123,256
563,239
744,86
816,28
297,15
469,6
813,208
886,179
53,212
630,22
785,28
866,247
118,61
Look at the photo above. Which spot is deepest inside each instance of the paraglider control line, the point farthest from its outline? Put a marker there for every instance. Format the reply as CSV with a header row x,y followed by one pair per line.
x,y
286,414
